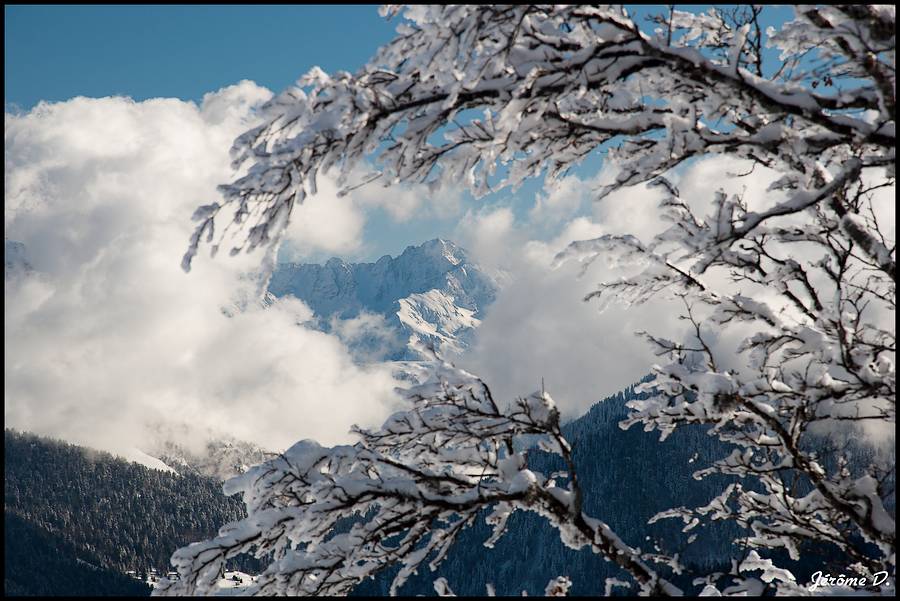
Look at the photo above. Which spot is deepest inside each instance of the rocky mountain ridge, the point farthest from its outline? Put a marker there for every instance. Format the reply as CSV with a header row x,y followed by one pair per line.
x,y
429,296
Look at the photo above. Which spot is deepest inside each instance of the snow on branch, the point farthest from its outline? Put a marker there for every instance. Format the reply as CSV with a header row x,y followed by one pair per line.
x,y
801,284
491,95
816,363
327,518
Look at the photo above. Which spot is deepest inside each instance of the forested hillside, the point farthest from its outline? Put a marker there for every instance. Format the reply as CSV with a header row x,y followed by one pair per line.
x,y
37,562
627,477
79,505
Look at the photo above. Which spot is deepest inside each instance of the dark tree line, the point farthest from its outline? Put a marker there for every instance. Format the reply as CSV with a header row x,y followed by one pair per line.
x,y
38,563
97,508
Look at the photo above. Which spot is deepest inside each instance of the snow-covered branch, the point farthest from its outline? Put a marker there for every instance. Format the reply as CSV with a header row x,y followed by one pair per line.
x,y
816,363
326,518
490,95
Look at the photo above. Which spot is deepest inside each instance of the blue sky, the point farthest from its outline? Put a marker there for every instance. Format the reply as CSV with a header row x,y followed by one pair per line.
x,y
57,52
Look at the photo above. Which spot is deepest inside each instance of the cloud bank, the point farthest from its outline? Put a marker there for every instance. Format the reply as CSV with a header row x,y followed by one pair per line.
x,y
108,334
539,328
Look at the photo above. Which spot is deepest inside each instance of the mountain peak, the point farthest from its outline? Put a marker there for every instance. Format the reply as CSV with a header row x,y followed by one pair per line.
x,y
336,263
443,291
438,242
438,248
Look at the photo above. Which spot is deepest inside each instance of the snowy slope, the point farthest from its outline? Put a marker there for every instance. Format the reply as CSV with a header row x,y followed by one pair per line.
x,y
433,319
138,456
429,296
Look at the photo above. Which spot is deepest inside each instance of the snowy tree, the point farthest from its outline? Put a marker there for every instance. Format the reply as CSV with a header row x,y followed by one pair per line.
x,y
805,279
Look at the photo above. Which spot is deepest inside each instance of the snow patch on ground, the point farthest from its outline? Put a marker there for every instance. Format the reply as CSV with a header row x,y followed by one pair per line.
x,y
138,456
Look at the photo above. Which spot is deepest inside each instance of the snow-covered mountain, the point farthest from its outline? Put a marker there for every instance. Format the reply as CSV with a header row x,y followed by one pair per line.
x,y
213,454
221,458
431,295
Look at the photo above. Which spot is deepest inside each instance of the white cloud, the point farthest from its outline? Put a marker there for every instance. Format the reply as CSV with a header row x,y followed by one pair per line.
x,y
332,225
539,326
111,334
407,201
326,222
561,201
492,236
